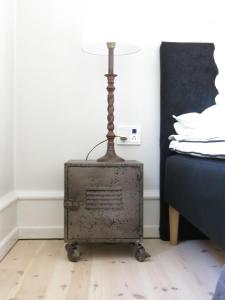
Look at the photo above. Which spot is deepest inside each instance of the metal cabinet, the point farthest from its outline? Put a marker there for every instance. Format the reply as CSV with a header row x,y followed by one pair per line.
x,y
103,203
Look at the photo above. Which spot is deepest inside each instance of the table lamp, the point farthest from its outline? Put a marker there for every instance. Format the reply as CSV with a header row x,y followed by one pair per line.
x,y
102,38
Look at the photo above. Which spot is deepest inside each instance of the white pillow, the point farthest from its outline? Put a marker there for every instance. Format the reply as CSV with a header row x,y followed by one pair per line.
x,y
189,120
210,131
214,113
213,116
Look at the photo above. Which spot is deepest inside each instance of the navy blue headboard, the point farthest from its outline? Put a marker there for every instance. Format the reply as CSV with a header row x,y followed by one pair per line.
x,y
188,73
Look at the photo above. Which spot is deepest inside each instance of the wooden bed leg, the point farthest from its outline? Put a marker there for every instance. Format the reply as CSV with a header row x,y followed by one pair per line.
x,y
174,225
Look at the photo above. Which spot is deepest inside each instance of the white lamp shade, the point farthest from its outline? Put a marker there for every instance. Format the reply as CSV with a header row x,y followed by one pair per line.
x,y
100,48
110,21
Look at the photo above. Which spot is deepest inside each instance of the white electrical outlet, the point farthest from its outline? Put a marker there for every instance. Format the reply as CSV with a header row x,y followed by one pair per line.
x,y
131,132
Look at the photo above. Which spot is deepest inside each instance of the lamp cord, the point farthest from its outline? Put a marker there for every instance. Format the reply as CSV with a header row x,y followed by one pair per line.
x,y
122,138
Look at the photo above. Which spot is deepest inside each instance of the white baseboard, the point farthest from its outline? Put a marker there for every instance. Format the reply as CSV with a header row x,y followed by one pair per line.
x,y
59,195
40,195
57,232
39,215
8,222
8,242
151,194
41,232
151,231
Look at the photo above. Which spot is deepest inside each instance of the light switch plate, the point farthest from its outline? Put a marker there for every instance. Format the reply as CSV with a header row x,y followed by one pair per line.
x,y
131,132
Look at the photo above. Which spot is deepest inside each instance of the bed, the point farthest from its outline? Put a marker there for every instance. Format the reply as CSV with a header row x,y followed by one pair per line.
x,y
192,189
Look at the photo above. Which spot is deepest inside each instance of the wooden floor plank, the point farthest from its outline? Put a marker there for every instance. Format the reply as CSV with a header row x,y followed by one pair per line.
x,y
39,269
13,266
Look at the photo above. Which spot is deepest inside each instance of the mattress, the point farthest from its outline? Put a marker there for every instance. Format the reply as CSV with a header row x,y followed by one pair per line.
x,y
196,188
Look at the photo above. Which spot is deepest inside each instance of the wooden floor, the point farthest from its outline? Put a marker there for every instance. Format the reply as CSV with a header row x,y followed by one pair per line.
x,y
39,269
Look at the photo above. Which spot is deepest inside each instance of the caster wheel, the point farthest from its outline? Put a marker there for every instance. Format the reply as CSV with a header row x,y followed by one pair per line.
x,y
72,253
141,254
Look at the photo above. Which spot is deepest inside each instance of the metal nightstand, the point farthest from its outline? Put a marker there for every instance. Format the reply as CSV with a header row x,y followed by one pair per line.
x,y
103,203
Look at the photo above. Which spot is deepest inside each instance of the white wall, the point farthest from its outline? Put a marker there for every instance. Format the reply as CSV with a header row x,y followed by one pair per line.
x,y
7,14
61,97
8,207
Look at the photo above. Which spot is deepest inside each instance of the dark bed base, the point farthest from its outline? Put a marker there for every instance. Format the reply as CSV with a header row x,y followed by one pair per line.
x,y
195,188
188,72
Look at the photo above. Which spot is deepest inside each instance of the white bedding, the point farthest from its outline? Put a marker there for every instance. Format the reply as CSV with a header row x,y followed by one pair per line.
x,y
200,134
187,138
206,132
211,149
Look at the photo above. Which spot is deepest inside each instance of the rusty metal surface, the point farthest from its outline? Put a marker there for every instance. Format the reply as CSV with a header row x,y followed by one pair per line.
x,y
103,201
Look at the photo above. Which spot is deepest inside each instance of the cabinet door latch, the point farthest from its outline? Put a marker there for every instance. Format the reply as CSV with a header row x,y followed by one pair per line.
x,y
71,204
139,176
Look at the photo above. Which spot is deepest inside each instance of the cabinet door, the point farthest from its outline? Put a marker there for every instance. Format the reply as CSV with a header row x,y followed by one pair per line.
x,y
105,202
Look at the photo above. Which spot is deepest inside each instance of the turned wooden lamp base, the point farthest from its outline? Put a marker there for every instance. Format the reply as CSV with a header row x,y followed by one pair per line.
x,y
110,155
110,158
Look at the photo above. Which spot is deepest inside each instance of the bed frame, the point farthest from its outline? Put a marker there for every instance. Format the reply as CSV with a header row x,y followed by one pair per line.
x,y
188,73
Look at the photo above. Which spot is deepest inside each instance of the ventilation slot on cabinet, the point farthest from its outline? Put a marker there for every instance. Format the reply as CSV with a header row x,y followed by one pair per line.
x,y
104,198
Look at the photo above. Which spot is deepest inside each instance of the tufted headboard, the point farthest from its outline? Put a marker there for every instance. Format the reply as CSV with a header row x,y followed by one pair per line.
x,y
188,73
